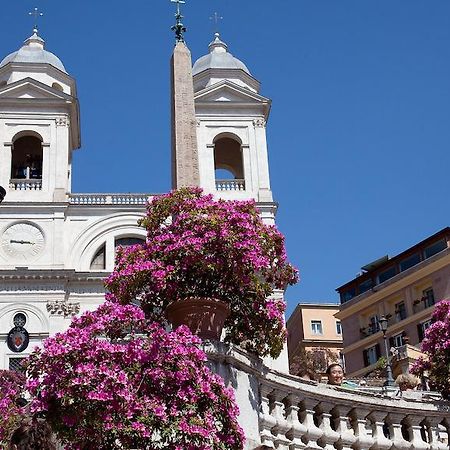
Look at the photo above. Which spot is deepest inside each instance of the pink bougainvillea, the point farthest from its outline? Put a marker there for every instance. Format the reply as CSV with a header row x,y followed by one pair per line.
x,y
11,393
436,346
113,380
198,246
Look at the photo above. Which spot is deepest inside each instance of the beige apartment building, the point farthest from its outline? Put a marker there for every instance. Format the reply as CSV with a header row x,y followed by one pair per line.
x,y
404,289
314,333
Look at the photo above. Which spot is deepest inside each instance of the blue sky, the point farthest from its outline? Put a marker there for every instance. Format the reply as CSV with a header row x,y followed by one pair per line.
x,y
359,133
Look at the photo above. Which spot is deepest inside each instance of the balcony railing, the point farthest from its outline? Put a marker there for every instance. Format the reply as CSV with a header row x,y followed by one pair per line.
x,y
422,304
281,411
25,184
230,185
109,199
369,330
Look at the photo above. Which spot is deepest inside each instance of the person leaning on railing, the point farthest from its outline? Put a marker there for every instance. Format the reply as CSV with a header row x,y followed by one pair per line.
x,y
335,374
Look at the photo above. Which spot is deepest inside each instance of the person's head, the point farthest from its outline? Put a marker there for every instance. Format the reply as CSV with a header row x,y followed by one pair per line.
x,y
307,374
407,382
335,374
31,435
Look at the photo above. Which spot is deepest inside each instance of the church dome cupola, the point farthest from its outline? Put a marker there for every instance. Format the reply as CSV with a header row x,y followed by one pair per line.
x,y
33,52
218,58
218,65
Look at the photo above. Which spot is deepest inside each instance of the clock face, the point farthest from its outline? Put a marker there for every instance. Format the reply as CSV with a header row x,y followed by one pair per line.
x,y
22,241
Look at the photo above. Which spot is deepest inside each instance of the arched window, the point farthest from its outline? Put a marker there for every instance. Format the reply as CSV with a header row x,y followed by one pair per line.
x,y
228,164
27,158
99,260
127,242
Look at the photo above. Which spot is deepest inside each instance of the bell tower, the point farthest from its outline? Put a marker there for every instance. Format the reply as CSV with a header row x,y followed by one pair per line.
x,y
39,124
231,127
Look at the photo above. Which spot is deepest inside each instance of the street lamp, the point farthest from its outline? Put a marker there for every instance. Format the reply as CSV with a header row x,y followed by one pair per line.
x,y
2,193
389,378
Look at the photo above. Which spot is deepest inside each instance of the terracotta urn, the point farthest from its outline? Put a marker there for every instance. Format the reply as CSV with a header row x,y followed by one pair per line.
x,y
205,317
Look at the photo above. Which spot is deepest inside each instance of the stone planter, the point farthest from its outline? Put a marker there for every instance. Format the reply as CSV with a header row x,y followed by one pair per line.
x,y
205,317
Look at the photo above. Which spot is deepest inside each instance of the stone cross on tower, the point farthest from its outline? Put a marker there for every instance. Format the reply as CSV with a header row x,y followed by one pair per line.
x,y
36,14
185,163
216,17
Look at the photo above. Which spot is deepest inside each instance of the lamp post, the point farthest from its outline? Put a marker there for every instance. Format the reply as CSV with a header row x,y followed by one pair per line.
x,y
2,193
389,378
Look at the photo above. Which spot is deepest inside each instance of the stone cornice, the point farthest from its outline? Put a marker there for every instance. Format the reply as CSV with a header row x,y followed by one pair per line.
x,y
67,275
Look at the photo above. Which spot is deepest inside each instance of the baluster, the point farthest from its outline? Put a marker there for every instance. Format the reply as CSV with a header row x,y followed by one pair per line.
x,y
313,433
281,427
346,434
444,431
434,435
266,421
364,439
296,429
381,442
329,436
400,443
415,423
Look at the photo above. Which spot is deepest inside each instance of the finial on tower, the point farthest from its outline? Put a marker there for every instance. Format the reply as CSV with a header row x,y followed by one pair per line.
x,y
36,14
179,28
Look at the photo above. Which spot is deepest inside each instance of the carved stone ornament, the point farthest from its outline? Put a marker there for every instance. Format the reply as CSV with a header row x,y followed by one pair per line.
x,y
18,339
259,123
63,308
62,122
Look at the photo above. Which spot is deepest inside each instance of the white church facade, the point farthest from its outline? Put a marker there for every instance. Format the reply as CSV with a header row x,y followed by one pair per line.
x,y
56,247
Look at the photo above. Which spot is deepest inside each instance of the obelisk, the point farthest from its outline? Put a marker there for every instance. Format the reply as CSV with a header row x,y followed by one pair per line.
x,y
185,164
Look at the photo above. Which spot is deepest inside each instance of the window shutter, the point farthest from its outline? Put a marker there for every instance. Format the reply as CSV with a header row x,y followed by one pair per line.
x,y
391,342
377,351
366,358
420,332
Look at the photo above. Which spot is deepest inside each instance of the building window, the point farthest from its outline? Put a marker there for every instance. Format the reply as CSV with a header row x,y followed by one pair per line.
x,y
371,355
397,340
316,327
421,328
127,242
435,248
99,260
348,295
389,273
374,325
338,327
16,364
428,297
365,286
409,262
20,320
400,311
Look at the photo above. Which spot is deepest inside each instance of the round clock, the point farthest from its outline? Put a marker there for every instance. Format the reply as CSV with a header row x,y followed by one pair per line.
x,y
22,241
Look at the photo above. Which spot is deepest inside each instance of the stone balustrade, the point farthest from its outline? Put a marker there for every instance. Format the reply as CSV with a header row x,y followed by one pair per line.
x,y
230,185
109,199
25,185
283,412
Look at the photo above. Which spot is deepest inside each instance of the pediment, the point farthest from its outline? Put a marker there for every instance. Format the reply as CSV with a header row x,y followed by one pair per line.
x,y
29,88
227,91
